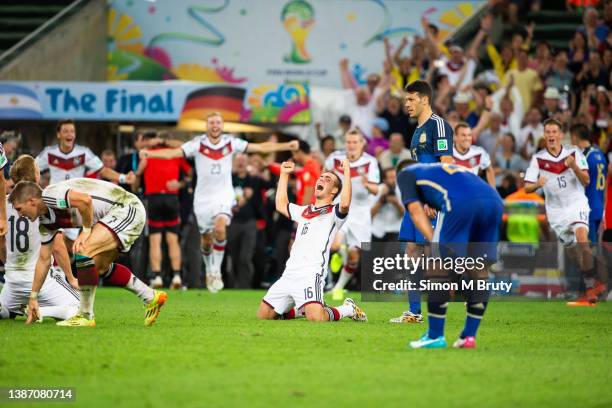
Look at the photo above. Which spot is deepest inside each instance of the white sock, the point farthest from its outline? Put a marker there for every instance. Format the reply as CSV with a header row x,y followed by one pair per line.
x,y
345,311
206,258
140,289
217,256
344,278
60,312
589,282
86,304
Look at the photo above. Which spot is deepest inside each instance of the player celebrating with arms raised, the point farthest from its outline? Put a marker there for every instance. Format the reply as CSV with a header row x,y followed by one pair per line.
x,y
301,284
562,172
111,220
214,194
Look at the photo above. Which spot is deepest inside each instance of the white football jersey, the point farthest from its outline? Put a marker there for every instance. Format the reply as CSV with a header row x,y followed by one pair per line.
x,y
104,196
367,166
315,232
213,163
65,166
562,186
22,247
475,159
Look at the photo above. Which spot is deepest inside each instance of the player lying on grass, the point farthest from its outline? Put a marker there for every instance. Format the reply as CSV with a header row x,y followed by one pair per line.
x,y
304,277
111,220
470,212
19,248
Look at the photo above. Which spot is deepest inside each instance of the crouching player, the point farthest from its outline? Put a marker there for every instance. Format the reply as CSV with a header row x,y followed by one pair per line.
x,y
111,220
304,277
470,212
19,250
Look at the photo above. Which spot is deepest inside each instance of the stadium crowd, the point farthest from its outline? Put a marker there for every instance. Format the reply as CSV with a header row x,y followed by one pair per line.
x,y
501,92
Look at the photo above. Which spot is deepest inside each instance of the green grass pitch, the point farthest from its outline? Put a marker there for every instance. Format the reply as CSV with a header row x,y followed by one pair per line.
x,y
209,350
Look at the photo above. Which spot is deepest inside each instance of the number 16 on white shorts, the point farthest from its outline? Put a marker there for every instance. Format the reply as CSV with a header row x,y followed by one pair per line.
x,y
295,290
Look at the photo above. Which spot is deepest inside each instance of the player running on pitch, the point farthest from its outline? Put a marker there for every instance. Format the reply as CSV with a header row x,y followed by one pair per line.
x,y
19,250
365,177
563,172
214,194
111,220
302,282
470,212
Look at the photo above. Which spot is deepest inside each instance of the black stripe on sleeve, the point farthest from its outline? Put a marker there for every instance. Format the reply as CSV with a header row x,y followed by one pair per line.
x,y
339,213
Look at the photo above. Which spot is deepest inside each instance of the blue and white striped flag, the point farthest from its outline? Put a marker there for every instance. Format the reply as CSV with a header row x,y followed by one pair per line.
x,y
19,102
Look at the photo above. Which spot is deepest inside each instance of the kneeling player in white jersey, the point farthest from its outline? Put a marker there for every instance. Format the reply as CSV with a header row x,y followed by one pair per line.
x,y
19,250
214,194
475,158
111,218
365,176
301,285
562,172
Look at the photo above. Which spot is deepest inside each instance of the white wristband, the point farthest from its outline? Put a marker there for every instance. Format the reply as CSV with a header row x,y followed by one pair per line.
x,y
122,178
87,230
34,295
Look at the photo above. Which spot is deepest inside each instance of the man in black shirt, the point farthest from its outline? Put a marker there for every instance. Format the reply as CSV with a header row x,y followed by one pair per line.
x,y
242,232
137,258
130,161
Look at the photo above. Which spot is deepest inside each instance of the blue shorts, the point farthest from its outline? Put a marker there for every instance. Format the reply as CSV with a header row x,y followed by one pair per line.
x,y
472,228
410,233
593,229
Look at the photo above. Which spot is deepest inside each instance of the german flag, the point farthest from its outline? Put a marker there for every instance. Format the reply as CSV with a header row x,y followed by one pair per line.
x,y
226,100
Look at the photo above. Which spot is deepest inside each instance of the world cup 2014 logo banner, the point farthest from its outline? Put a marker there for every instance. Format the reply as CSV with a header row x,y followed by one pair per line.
x,y
298,18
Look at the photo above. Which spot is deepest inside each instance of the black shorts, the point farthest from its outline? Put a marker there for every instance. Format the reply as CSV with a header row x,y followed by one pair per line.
x,y
163,213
